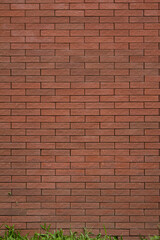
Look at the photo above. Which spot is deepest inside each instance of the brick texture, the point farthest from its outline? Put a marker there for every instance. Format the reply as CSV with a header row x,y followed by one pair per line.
x,y
79,115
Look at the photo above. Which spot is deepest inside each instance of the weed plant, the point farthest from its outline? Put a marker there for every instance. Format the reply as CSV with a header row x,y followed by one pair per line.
x,y
12,234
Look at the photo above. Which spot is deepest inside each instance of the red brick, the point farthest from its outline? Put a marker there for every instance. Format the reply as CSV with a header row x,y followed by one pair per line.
x,y
42,212
26,179
86,45
143,46
115,152
54,33
55,138
50,19
101,199
55,112
151,132
99,132
98,25
115,218
150,25
84,219
24,6
85,179
84,152
54,6
54,59
41,185
114,72
56,179
144,98
4,6
98,13
38,92
20,20
56,219
50,72
84,126
12,119
70,185
40,52
73,212
12,13
129,119
25,98
39,26
144,19
69,13
26,152
26,218
19,112
24,46
113,98
54,99
114,6
70,132
63,92
84,6
59,152
70,118
99,119
5,33
114,112
129,12
25,33
100,212
114,32
139,139
99,105
99,92
24,59
144,112
152,118
70,78
83,72
83,19
5,72
99,39
144,6
39,13
144,152
40,105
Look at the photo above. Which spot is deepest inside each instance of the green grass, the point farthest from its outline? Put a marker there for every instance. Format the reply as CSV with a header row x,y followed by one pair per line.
x,y
11,234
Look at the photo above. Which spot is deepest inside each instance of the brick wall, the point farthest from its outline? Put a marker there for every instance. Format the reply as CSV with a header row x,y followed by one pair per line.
x,y
79,113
